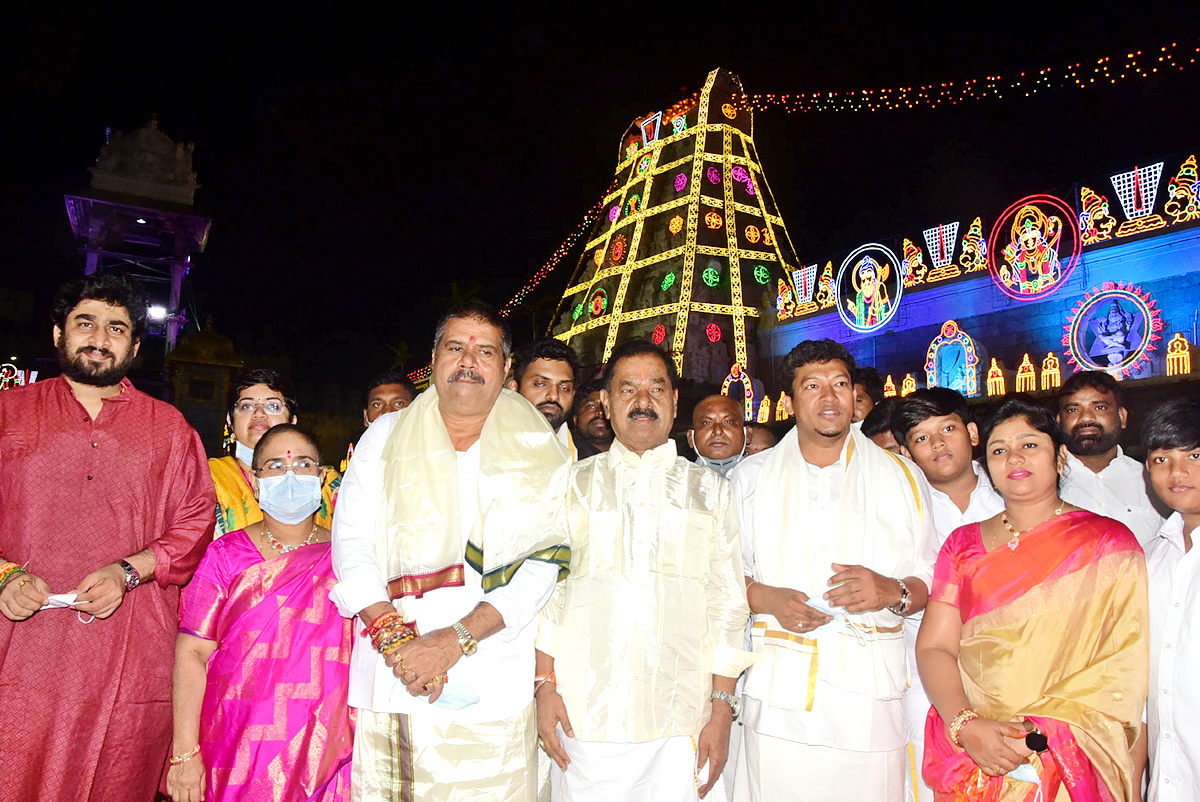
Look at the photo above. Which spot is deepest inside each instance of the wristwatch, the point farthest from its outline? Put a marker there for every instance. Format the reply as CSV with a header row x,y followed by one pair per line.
x,y
900,608
466,641
132,577
1035,739
729,699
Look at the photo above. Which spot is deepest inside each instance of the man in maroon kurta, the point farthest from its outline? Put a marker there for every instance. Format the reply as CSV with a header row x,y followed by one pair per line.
x,y
104,492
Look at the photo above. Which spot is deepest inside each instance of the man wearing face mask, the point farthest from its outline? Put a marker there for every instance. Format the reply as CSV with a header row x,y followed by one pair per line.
x,y
106,507
718,434
444,547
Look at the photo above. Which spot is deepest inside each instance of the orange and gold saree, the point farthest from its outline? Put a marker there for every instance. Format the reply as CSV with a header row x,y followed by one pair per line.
x,y
1054,631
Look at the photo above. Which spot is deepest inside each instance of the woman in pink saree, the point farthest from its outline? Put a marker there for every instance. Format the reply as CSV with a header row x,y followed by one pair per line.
x,y
262,662
1034,646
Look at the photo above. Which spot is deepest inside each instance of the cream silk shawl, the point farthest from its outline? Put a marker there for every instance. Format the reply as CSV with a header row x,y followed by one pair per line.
x,y
880,525
522,477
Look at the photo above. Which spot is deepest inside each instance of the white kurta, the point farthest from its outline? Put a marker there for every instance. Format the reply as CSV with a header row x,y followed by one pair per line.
x,y
1120,491
1173,713
842,690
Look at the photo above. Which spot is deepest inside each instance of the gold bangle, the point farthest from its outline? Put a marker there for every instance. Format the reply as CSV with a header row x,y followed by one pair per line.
x,y
177,760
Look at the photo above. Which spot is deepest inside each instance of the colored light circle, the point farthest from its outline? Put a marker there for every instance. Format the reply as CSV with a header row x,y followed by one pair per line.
x,y
599,303
1068,224
844,288
681,180
761,274
711,276
643,164
714,175
614,213
714,333
668,281
660,334
577,311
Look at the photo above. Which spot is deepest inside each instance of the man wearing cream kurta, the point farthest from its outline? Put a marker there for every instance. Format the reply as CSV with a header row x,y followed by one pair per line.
x,y
838,545
639,651
446,518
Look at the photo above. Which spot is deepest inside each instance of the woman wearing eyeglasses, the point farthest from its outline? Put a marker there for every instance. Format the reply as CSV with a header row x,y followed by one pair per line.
x,y
261,399
262,660
1034,646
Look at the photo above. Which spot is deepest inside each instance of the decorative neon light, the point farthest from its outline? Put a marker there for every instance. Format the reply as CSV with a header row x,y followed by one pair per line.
x,y
12,376
713,174
889,387
643,164
913,264
577,311
869,287
1095,223
713,220
668,281
633,205
780,410
1183,193
974,248
941,240
1114,328
599,303
1040,229
714,332
614,213
761,274
995,379
679,124
908,386
729,110
617,252
676,224
660,334
598,256
1137,189
737,375
1179,356
738,173
805,279
631,150
764,409
651,127
826,293
785,301
951,361
752,234
1051,375
711,276
681,180
1026,378
768,236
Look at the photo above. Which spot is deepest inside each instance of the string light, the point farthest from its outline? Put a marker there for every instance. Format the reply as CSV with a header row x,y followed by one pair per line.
x,y
1080,75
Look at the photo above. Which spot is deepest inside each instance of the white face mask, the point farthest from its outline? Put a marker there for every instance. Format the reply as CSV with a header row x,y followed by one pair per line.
x,y
289,499
244,453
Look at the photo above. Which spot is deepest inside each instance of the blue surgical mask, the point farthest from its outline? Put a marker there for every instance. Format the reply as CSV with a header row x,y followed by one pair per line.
x,y
289,499
244,453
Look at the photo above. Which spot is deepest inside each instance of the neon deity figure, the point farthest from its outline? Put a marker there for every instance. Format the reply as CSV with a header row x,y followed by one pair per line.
x,y
908,386
1095,223
1051,374
1026,378
1113,334
1032,255
889,387
995,379
871,303
913,266
974,250
1179,357
825,294
1183,193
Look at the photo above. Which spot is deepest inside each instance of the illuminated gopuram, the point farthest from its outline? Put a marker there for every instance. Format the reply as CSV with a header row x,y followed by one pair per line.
x,y
689,251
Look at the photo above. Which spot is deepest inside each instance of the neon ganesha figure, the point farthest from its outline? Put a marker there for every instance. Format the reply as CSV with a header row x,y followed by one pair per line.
x,y
871,303
1032,255
1113,334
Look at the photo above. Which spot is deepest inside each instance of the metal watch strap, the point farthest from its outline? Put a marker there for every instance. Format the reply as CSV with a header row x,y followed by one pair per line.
x,y
734,702
901,607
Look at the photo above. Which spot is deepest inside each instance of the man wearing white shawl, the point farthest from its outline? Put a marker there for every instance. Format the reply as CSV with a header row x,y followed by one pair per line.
x,y
443,527
639,651
838,545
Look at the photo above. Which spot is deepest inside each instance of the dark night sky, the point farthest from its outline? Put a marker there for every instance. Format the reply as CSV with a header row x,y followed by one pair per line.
x,y
353,167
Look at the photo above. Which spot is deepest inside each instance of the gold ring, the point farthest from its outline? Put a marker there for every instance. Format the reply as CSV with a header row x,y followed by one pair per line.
x,y
23,583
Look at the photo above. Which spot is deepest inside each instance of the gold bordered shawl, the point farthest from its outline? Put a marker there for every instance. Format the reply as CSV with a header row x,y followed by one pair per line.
x,y
522,478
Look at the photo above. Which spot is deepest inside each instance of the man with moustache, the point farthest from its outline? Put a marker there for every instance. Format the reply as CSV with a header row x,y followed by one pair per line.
x,y
106,505
444,547
645,706
1099,477
593,435
718,434
544,373
838,545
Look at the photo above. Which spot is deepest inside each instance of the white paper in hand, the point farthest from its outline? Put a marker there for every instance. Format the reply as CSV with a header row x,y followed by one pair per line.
x,y
60,600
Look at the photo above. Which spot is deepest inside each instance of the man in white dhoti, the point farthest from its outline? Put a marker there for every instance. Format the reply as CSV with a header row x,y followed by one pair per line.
x,y
639,651
838,546
443,546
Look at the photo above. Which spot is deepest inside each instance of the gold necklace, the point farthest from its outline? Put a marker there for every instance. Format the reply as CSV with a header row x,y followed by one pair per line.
x,y
281,548
1016,536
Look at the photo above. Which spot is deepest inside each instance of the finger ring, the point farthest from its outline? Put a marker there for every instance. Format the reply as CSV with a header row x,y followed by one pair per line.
x,y
23,583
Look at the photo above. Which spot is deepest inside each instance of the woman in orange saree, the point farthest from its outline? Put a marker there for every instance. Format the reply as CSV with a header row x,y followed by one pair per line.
x,y
1034,646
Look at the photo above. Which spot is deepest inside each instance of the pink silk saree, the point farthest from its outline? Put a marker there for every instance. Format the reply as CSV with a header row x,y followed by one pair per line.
x,y
275,724
1054,631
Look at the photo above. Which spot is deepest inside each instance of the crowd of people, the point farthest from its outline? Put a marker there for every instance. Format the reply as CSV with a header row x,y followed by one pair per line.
x,y
522,590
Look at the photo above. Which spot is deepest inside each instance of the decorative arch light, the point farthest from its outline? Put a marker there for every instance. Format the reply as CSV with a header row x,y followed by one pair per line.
x,y
736,375
951,361
1114,328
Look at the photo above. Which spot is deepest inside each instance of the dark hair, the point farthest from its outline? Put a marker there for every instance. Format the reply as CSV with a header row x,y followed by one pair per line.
x,y
476,310
110,286
389,377
1097,380
872,380
880,418
551,350
273,379
282,428
581,394
931,402
1174,424
811,351
632,348
1036,415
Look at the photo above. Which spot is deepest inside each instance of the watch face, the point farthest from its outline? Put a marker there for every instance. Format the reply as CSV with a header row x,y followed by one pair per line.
x,y
1037,741
469,646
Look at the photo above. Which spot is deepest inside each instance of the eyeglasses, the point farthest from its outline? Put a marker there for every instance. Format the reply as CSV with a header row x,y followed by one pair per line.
x,y
277,467
269,407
